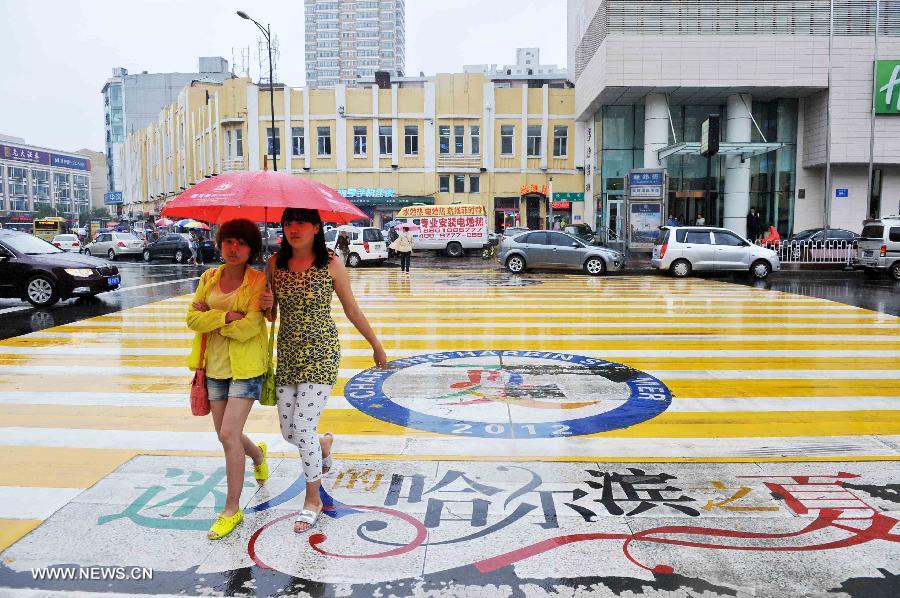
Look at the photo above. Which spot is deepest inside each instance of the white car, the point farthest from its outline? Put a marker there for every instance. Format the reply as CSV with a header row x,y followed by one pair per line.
x,y
681,250
67,242
367,244
115,245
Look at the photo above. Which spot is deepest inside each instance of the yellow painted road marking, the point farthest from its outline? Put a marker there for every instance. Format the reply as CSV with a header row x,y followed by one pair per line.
x,y
58,468
12,530
350,422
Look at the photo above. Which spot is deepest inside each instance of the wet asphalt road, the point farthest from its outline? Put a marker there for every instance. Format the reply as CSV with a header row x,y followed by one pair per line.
x,y
143,284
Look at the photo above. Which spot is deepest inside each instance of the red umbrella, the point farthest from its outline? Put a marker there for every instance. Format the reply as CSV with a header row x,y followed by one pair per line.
x,y
260,196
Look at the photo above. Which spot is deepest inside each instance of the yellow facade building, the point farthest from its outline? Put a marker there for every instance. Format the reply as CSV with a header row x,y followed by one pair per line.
x,y
436,140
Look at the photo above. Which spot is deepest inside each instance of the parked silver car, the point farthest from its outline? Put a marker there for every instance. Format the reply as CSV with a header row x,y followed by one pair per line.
x,y
682,249
114,245
553,249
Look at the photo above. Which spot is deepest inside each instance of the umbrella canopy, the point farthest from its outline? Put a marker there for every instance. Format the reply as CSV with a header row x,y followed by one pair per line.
x,y
260,196
412,227
163,222
183,222
193,224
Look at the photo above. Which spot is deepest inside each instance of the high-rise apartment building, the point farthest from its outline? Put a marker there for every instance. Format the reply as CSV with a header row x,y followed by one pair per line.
x,y
351,39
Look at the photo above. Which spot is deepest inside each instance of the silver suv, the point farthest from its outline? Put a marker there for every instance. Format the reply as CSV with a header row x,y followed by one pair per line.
x,y
682,249
879,247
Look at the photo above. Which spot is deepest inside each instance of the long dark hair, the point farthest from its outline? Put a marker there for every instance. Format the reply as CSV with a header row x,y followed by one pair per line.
x,y
320,250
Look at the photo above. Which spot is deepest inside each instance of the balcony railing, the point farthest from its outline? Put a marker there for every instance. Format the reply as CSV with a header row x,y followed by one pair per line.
x,y
233,164
458,161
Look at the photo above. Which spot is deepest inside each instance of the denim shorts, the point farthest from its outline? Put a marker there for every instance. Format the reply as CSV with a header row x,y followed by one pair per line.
x,y
230,388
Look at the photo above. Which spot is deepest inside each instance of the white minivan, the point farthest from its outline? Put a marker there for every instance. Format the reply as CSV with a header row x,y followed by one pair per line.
x,y
367,244
681,250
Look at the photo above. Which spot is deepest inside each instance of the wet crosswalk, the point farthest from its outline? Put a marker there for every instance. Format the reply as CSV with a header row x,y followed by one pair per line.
x,y
487,366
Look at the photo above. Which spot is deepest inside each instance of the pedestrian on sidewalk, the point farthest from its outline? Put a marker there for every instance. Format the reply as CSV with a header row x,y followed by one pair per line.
x,y
231,334
754,225
303,277
403,245
342,246
701,221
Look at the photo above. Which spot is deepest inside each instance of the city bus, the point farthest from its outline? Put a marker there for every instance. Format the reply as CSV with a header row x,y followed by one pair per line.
x,y
48,228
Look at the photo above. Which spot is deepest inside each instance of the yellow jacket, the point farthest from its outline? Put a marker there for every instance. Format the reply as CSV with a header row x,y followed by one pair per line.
x,y
249,342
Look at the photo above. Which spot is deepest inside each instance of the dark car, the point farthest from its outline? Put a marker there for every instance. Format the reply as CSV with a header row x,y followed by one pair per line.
x,y
834,234
177,246
33,270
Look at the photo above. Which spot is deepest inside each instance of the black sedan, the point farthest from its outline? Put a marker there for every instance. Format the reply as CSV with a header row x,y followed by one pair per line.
x,y
177,246
32,269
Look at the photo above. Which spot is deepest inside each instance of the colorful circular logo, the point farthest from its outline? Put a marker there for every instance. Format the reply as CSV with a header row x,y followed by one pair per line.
x,y
508,394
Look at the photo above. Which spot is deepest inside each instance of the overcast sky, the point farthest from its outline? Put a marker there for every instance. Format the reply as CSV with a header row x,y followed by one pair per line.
x,y
57,54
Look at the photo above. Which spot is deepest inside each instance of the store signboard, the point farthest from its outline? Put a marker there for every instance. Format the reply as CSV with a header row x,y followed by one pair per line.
x,y
646,185
352,192
568,196
32,156
887,87
113,198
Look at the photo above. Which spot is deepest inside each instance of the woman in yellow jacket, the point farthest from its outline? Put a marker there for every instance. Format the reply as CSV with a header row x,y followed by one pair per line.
x,y
226,310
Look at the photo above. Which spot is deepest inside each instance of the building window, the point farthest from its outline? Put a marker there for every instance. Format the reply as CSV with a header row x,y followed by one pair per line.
x,y
273,149
444,139
40,188
323,141
239,143
298,143
228,145
459,183
507,139
475,138
560,141
82,192
474,184
459,138
411,140
360,137
534,140
385,140
18,189
444,184
62,198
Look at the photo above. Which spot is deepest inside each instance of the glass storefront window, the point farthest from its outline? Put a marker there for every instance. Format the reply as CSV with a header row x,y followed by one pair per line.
x,y
40,189
18,189
62,195
82,192
773,175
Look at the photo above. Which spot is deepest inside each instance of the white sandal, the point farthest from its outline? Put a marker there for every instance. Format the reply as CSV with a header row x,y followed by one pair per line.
x,y
307,517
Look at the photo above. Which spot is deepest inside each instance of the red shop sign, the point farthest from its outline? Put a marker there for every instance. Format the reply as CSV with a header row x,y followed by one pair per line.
x,y
562,205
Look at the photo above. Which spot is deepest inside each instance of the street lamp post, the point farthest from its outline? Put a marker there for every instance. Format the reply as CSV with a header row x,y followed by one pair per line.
x,y
268,34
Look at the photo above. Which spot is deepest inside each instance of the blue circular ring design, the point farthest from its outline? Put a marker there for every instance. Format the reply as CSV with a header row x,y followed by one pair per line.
x,y
648,398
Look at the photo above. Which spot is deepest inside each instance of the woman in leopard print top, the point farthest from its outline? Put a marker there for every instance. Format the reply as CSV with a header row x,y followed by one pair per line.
x,y
304,276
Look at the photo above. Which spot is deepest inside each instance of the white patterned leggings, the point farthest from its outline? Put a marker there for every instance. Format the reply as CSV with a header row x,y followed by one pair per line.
x,y
299,409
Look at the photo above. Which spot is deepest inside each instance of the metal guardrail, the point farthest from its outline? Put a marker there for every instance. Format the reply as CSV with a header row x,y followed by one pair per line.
x,y
835,251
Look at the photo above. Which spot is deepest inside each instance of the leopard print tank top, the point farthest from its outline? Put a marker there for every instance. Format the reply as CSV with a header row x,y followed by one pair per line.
x,y
308,344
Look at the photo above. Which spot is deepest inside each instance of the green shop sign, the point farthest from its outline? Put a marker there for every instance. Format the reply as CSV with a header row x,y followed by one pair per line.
x,y
887,87
569,196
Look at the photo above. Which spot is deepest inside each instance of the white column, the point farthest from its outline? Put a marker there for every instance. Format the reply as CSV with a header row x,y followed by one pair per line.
x,y
307,132
656,128
287,146
376,112
428,136
737,173
487,129
395,127
252,141
545,126
340,128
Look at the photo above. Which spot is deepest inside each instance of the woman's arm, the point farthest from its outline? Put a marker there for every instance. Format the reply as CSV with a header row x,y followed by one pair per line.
x,y
200,318
352,310
267,301
249,324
